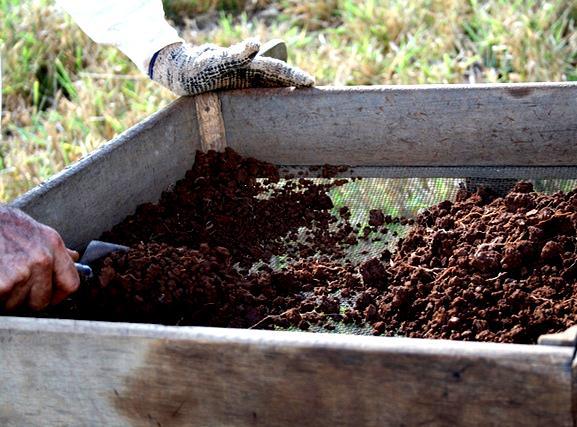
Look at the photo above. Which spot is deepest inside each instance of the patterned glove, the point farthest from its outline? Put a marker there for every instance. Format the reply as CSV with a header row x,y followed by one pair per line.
x,y
190,70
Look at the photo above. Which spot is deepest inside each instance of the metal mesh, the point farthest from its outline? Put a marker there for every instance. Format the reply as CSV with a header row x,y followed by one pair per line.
x,y
407,197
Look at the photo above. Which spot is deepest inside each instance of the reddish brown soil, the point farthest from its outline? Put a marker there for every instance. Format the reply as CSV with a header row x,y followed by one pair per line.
x,y
191,253
221,203
488,270
482,268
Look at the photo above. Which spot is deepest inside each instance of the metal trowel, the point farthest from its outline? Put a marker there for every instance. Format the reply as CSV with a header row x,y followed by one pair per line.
x,y
95,251
275,48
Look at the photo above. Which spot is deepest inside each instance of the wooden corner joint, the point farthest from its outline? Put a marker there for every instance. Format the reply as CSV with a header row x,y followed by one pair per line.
x,y
567,338
210,122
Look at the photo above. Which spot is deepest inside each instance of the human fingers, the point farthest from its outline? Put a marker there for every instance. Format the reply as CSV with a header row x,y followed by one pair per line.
x,y
73,254
271,72
40,286
263,72
215,67
6,285
20,286
190,70
234,56
66,279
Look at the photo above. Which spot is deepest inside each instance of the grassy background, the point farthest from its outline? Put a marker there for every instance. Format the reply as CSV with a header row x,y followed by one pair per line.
x,y
63,95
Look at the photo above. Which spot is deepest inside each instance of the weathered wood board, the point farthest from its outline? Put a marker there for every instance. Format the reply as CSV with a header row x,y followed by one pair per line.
x,y
567,338
61,372
435,128
96,193
431,125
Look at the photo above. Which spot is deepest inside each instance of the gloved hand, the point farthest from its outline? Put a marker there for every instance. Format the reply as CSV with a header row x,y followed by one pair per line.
x,y
35,267
190,70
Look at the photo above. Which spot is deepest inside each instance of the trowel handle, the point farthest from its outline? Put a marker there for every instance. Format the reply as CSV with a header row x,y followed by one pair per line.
x,y
84,270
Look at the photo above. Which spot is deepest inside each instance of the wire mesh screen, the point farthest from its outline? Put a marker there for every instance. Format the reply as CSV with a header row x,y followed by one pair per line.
x,y
396,198
406,197
401,200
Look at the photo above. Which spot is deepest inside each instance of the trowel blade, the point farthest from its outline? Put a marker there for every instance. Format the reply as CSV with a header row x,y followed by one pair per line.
x,y
97,250
275,48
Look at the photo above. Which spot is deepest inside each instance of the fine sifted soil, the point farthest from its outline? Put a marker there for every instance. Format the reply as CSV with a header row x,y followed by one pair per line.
x,y
232,245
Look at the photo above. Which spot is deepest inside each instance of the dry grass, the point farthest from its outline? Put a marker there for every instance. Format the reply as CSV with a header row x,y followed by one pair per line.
x,y
63,96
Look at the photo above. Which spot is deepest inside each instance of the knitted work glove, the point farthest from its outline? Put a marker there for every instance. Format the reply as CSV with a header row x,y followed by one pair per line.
x,y
190,70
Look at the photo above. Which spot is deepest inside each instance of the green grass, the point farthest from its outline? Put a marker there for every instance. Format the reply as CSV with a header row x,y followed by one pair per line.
x,y
63,95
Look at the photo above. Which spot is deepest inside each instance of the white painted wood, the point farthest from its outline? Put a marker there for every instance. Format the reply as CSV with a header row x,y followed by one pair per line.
x,y
62,372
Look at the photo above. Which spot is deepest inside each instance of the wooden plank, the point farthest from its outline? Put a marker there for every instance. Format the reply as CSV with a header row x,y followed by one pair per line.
x,y
99,191
210,122
59,372
574,386
430,125
567,338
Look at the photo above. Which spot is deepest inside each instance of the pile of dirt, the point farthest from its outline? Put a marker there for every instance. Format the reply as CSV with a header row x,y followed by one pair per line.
x,y
234,246
234,202
485,269
203,254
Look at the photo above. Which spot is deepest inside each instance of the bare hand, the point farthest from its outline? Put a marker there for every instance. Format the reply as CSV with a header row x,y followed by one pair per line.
x,y
35,267
189,70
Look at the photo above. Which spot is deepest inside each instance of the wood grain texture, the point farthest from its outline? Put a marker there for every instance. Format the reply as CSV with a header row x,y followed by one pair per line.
x,y
210,122
431,125
57,372
100,190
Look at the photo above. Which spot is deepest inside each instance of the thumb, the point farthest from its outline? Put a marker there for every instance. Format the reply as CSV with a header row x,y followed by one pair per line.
x,y
66,279
235,56
246,50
